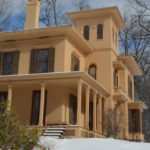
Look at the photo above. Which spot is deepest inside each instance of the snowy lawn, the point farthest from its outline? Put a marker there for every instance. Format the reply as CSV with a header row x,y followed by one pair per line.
x,y
91,144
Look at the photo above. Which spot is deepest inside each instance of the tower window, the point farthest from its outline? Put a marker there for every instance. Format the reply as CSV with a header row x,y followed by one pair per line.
x,y
86,32
99,31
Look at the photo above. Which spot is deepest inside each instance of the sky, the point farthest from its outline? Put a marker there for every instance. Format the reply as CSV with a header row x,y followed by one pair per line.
x,y
121,4
18,5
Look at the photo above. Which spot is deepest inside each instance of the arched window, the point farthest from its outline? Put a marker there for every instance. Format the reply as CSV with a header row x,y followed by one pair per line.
x,y
92,71
86,32
99,31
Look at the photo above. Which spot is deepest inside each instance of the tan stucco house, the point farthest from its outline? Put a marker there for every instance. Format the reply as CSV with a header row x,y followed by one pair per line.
x,y
70,75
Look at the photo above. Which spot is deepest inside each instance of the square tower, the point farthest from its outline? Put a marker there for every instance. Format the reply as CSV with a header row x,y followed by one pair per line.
x,y
99,27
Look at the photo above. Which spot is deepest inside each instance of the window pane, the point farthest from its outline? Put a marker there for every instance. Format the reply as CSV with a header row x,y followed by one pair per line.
x,y
42,61
42,55
8,58
92,71
42,67
7,63
99,31
86,32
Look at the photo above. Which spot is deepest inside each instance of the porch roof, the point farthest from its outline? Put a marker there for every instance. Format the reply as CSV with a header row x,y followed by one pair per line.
x,y
132,65
11,79
137,105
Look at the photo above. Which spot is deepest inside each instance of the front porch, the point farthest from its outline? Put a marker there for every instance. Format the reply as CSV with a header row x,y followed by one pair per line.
x,y
42,100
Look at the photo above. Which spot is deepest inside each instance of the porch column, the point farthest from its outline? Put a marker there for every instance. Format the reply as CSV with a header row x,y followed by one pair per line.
x,y
99,114
141,121
41,114
79,102
94,110
87,107
9,97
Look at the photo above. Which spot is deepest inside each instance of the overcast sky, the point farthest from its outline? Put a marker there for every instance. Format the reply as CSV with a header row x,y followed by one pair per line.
x,y
94,3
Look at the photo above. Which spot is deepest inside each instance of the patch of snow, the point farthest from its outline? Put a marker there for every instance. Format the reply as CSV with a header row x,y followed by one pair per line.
x,y
91,144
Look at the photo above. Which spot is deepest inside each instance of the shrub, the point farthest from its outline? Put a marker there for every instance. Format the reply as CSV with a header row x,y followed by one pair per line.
x,y
13,134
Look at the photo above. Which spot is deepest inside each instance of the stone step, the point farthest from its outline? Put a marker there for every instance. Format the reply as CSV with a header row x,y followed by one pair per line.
x,y
53,131
55,128
52,134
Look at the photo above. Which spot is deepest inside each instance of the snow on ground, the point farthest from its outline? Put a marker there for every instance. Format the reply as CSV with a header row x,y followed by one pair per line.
x,y
91,144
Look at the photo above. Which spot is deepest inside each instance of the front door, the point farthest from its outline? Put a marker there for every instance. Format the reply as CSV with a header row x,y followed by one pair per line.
x,y
91,116
72,109
36,108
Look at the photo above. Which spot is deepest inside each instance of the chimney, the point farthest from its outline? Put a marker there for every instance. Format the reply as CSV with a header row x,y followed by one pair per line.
x,y
32,14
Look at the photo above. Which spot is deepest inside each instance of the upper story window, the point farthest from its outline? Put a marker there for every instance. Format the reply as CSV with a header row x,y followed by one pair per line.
x,y
116,39
99,31
86,32
9,63
75,63
129,87
115,78
42,60
92,71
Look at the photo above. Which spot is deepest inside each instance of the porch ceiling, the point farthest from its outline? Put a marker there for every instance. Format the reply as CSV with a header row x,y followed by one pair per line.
x,y
57,78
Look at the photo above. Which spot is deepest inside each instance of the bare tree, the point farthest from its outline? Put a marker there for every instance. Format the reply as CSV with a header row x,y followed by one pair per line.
x,y
81,5
4,15
113,122
142,11
53,13
135,40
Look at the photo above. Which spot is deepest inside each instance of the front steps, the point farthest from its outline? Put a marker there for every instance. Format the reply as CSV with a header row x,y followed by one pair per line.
x,y
55,132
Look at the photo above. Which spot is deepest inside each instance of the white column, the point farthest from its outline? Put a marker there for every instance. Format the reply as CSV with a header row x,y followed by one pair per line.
x,y
87,107
42,104
141,121
79,102
99,114
94,110
9,97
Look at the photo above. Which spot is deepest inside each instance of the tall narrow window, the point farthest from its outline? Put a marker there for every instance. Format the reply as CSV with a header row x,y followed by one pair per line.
x,y
115,78
116,39
36,107
75,63
113,35
92,71
72,109
9,63
129,87
86,32
42,60
99,31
